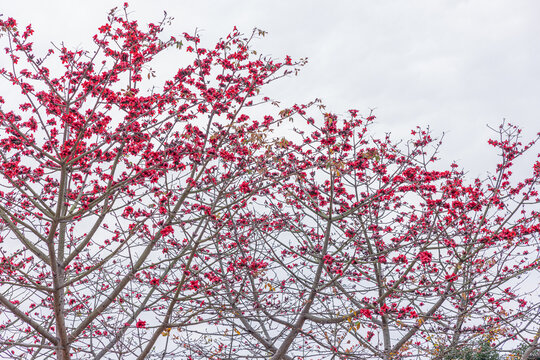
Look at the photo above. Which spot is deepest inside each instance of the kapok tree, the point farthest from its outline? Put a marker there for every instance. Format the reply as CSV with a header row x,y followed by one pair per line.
x,y
140,221
112,186
374,251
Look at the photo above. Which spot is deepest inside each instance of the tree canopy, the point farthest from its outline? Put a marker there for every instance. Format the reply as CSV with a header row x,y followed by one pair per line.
x,y
198,218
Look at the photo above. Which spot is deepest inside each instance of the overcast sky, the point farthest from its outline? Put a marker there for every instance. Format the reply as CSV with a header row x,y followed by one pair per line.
x,y
454,65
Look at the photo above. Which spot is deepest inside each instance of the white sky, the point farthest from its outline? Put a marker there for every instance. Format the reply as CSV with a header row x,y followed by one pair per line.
x,y
455,65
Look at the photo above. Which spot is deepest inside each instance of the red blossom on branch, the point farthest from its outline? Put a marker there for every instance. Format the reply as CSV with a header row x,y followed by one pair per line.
x,y
140,324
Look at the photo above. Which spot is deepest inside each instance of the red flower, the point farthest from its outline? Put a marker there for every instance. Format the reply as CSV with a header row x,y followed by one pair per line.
x,y
366,313
141,324
167,230
370,334
128,211
425,257
244,187
400,259
288,60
